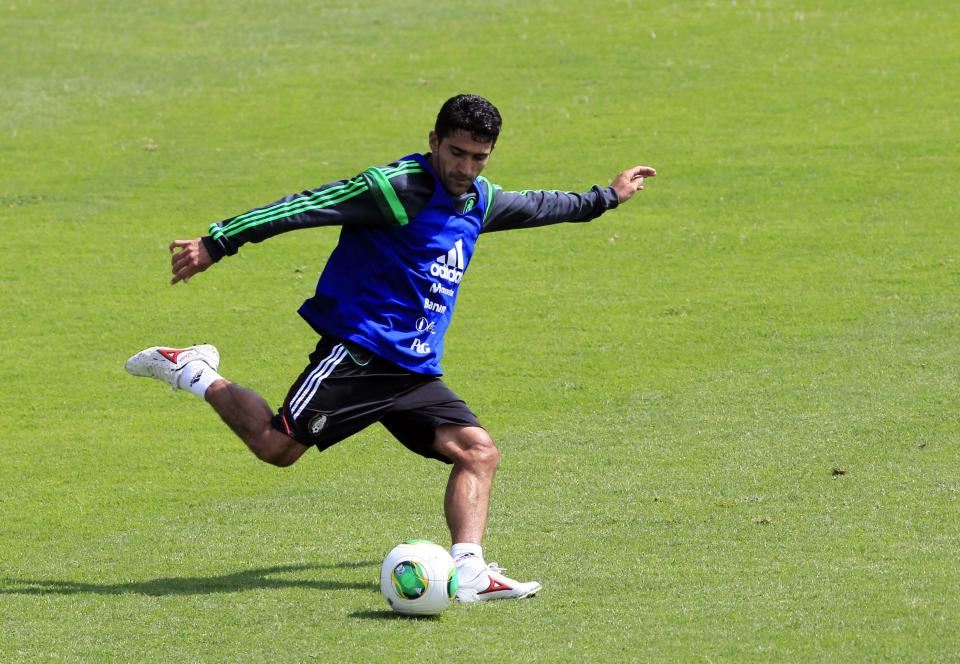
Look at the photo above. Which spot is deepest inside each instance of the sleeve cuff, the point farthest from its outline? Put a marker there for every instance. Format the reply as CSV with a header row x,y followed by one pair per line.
x,y
608,196
213,248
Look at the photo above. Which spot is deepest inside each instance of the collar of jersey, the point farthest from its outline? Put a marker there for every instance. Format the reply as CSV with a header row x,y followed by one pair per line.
x,y
458,204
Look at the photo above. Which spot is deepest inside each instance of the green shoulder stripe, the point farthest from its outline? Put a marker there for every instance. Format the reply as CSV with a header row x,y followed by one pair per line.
x,y
402,168
380,187
378,179
491,194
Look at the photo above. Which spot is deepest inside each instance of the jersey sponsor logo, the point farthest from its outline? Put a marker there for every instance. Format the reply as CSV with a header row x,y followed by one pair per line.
x,y
437,287
446,273
419,347
450,266
424,325
430,305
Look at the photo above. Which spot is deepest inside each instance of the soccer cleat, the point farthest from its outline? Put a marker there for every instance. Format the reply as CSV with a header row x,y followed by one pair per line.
x,y
491,583
166,363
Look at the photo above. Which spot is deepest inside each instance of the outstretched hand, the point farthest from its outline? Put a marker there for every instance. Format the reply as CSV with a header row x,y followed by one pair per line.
x,y
630,181
191,258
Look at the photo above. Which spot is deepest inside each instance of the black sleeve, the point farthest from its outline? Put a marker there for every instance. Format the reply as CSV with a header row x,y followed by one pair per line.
x,y
380,196
530,209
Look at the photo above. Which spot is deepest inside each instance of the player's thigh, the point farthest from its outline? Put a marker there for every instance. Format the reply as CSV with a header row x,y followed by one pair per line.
x,y
434,422
335,397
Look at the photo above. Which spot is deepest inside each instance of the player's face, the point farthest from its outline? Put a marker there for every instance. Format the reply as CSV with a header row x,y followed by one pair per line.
x,y
457,159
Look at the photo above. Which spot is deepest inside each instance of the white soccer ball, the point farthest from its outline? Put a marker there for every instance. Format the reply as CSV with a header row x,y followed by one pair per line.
x,y
418,578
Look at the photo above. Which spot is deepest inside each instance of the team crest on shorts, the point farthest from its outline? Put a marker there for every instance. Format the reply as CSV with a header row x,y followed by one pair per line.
x,y
317,424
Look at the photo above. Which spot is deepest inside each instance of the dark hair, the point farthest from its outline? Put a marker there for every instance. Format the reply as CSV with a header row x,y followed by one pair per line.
x,y
472,114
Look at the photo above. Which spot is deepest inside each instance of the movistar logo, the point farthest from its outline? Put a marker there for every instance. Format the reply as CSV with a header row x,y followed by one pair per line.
x,y
450,266
440,288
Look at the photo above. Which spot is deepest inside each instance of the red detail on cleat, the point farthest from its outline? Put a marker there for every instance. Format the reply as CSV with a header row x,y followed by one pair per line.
x,y
170,353
494,587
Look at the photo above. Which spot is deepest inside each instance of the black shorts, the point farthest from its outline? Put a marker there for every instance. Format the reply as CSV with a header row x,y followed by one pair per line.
x,y
346,388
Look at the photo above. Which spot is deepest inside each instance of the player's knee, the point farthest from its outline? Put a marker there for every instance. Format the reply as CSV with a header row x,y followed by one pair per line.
x,y
469,447
478,449
490,457
277,453
275,458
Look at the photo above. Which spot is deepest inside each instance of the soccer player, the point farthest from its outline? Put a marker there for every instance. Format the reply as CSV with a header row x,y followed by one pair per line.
x,y
382,306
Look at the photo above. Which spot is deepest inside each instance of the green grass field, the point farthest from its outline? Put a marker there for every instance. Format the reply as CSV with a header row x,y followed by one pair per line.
x,y
728,411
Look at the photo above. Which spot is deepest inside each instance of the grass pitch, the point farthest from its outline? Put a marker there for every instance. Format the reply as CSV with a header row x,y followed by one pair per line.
x,y
727,411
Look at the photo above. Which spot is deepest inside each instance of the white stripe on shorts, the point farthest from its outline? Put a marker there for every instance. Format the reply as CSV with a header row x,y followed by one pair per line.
x,y
312,382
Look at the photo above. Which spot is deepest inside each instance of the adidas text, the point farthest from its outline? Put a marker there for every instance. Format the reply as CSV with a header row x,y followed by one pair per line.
x,y
446,273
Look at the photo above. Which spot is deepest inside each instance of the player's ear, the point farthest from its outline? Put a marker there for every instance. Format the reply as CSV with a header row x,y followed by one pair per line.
x,y
434,141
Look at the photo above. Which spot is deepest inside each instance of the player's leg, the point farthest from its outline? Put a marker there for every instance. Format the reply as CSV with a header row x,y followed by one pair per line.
x,y
466,504
250,417
195,369
467,499
433,421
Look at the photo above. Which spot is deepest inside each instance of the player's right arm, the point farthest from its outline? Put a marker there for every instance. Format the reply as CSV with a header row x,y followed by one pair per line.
x,y
532,208
188,258
369,199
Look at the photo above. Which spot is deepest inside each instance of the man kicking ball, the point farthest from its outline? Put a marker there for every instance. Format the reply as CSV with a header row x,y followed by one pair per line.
x,y
382,306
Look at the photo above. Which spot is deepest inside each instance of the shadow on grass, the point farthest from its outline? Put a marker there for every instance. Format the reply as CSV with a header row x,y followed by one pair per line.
x,y
254,579
388,615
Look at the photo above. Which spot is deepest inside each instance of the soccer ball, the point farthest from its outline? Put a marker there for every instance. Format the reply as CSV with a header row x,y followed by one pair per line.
x,y
418,578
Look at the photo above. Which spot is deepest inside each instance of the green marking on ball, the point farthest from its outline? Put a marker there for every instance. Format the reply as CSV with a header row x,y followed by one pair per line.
x,y
409,580
453,582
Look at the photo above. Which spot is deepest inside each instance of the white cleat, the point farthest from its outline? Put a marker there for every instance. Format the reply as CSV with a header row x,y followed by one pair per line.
x,y
166,363
491,583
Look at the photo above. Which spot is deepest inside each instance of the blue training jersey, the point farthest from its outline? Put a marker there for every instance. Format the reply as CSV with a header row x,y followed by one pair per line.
x,y
391,283
392,289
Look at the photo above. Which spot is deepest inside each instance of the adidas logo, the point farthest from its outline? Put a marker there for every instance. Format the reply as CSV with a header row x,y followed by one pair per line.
x,y
196,378
450,266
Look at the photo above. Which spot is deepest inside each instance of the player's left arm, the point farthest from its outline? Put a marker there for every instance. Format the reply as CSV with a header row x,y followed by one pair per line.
x,y
530,209
384,196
